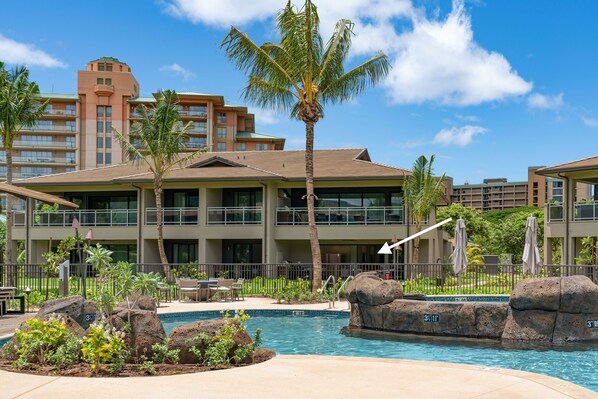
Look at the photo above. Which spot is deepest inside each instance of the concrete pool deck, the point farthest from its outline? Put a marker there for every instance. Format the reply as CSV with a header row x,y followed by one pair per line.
x,y
303,376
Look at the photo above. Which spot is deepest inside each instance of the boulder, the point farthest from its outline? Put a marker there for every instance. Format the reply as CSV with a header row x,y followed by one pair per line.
x,y
578,295
142,302
261,355
145,330
368,288
490,319
372,316
537,294
572,327
184,337
529,325
84,312
355,316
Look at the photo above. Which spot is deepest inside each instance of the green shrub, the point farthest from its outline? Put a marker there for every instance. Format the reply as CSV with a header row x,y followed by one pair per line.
x,y
164,355
103,345
66,354
40,338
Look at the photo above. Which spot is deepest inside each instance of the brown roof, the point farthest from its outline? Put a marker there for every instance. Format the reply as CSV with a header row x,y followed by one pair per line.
x,y
579,165
23,192
345,164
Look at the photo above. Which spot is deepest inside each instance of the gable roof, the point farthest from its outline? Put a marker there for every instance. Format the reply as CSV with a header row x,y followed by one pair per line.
x,y
344,164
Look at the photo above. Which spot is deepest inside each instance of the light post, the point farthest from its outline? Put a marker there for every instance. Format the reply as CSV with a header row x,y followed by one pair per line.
x,y
27,292
82,269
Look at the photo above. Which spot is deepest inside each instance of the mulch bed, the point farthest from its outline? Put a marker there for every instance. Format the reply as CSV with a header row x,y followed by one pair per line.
x,y
128,370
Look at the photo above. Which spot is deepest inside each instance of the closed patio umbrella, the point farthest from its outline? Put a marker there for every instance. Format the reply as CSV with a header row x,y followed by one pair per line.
x,y
460,252
531,255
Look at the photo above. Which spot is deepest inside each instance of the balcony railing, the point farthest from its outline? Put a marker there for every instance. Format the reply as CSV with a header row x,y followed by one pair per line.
x,y
44,144
585,211
172,216
52,128
342,215
199,114
98,217
60,112
235,215
41,160
555,213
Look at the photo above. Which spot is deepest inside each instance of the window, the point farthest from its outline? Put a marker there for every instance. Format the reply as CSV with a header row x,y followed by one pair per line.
x,y
221,132
70,126
199,127
198,110
70,157
241,147
108,127
100,111
100,143
221,117
32,171
100,158
221,147
261,147
70,142
69,169
100,127
71,109
108,142
109,67
108,112
197,142
101,67
108,158
36,156
100,81
108,81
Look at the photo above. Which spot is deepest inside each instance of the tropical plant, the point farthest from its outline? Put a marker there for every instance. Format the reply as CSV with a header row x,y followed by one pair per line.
x,y
422,192
19,108
100,258
54,259
477,227
39,338
158,144
104,344
300,75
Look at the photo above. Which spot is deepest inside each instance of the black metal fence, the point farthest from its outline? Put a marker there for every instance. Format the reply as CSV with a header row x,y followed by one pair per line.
x,y
265,279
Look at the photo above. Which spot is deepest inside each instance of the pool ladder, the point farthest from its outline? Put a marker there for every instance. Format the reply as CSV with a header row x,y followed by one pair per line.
x,y
331,277
338,293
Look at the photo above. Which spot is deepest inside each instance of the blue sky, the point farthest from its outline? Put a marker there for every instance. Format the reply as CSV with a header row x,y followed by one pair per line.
x,y
489,86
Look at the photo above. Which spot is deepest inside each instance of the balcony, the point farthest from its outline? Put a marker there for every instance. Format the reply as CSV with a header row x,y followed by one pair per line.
x,y
555,213
172,216
91,218
105,90
68,161
235,215
48,144
193,114
61,112
342,216
51,128
585,211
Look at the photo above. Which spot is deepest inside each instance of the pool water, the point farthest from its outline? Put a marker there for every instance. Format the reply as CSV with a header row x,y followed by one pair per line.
x,y
322,333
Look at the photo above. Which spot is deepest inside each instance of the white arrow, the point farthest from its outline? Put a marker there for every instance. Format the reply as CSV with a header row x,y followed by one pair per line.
x,y
386,249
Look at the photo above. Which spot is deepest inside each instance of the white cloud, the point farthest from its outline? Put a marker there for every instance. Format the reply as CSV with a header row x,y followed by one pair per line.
x,y
222,13
264,116
467,118
176,69
540,101
459,136
437,60
13,52
589,121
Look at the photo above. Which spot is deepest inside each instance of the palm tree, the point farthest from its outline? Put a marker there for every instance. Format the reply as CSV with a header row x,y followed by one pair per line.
x,y
159,142
422,192
19,108
300,75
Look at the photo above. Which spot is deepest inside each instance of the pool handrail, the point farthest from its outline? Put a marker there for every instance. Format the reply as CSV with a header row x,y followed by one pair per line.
x,y
324,287
338,293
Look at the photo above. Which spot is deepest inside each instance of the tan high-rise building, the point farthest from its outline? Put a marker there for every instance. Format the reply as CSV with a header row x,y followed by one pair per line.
x,y
76,130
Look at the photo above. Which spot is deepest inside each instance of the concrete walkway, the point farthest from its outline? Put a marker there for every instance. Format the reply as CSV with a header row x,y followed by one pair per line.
x,y
303,376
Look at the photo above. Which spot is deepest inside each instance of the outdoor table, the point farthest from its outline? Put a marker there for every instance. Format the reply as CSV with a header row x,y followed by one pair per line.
x,y
6,293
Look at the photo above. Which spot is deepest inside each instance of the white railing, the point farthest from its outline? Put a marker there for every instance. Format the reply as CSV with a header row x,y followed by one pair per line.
x,y
98,217
556,212
342,215
172,216
235,215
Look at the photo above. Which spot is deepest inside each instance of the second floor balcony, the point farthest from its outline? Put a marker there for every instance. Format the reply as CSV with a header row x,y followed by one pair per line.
x,y
235,215
91,218
172,216
375,215
582,211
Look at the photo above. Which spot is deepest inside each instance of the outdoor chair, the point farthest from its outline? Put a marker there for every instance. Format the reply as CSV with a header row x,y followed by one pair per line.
x,y
238,290
188,287
222,289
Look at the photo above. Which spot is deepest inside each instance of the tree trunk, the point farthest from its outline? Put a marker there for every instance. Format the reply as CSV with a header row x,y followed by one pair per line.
x,y
418,228
159,224
311,215
8,250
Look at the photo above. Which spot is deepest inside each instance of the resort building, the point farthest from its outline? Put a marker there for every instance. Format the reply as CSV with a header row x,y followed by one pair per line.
x,y
75,132
499,194
576,216
234,207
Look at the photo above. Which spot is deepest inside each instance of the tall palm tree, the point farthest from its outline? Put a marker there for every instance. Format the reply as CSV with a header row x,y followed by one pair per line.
x,y
300,75
19,108
422,192
158,144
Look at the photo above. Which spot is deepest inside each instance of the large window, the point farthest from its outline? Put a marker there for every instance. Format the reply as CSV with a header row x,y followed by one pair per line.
x,y
100,127
70,157
221,132
261,147
32,171
221,117
198,110
108,158
100,158
71,109
241,146
70,141
100,143
221,147
36,156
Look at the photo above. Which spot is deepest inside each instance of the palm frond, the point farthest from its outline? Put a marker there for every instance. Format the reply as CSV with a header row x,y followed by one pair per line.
x,y
265,94
337,50
354,82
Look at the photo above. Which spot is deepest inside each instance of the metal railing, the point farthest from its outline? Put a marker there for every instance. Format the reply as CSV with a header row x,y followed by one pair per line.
x,y
98,217
52,128
266,279
40,143
235,215
172,216
66,112
41,160
200,114
555,213
585,211
342,215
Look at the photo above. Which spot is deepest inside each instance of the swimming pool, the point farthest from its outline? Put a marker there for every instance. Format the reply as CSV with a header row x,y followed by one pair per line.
x,y
319,333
